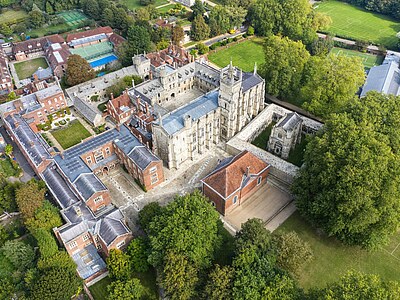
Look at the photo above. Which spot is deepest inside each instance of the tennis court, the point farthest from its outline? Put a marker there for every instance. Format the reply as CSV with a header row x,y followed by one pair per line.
x,y
94,51
73,17
368,60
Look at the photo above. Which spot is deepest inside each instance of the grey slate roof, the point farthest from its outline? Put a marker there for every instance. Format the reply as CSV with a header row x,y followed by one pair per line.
x,y
32,144
199,107
250,80
59,187
88,184
289,122
43,73
85,109
383,79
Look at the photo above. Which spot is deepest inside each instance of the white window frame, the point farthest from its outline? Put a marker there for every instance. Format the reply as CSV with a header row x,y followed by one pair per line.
x,y
235,199
89,160
85,237
259,179
120,244
98,199
153,169
72,245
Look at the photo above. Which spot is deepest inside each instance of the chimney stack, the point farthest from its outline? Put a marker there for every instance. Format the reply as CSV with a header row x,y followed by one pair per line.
x,y
248,171
112,96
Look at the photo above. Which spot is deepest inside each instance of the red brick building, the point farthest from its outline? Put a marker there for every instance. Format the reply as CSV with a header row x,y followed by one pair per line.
x,y
234,180
35,47
120,108
173,55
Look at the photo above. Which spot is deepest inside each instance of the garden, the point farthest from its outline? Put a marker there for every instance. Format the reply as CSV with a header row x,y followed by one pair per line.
x,y
9,168
243,55
10,16
26,68
134,4
355,23
71,134
332,258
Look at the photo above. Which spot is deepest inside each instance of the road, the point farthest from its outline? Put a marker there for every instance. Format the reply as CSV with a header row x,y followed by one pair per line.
x,y
28,171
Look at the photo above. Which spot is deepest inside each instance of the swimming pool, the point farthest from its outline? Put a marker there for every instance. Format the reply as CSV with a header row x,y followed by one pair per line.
x,y
103,61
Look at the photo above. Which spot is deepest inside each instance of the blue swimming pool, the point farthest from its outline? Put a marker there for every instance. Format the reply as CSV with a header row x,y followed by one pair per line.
x,y
103,61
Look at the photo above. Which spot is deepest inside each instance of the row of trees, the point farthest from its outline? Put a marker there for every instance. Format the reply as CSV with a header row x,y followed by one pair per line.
x,y
387,7
48,273
323,84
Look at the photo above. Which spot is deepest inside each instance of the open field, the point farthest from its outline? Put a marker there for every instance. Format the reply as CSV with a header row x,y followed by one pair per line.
x,y
243,55
332,258
368,60
12,16
352,22
133,4
166,8
71,135
26,68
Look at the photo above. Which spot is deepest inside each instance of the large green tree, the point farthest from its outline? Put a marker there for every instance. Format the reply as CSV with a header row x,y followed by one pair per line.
x,y
330,82
284,63
199,30
78,70
349,185
224,18
220,283
131,289
187,226
46,217
19,254
138,254
118,264
29,198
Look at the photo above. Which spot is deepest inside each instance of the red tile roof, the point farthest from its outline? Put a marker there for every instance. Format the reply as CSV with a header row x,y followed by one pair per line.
x,y
120,101
79,35
230,174
39,43
116,39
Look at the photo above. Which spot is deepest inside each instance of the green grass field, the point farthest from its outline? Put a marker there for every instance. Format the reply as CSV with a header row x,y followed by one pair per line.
x,y
261,141
133,4
166,8
71,135
356,23
243,55
73,18
368,60
26,68
12,16
332,259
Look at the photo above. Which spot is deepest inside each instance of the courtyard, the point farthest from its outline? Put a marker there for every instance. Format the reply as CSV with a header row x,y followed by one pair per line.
x,y
264,204
181,99
26,68
71,135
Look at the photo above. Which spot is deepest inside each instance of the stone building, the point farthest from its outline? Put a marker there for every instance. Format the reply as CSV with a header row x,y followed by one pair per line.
x,y
285,135
234,180
232,98
6,84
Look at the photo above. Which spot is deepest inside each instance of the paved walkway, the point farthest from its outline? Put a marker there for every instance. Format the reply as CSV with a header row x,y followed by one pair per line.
x,y
15,76
53,140
218,38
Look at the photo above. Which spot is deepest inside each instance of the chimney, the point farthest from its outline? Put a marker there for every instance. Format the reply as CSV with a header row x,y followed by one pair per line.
x,y
117,127
112,96
147,110
248,171
147,144
35,78
140,139
138,103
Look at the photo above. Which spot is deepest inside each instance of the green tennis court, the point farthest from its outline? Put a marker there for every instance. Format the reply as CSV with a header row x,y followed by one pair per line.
x,y
93,51
368,60
73,17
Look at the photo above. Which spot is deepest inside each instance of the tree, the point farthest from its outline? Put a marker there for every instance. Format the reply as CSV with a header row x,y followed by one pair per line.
x,y
330,82
321,46
36,18
3,235
219,285
335,189
56,284
78,70
91,8
283,67
46,217
126,82
284,288
177,35
148,213
118,264
198,9
199,30
60,260
180,277
46,242
12,96
292,252
187,226
19,254
202,48
139,40
358,286
126,290
8,150
219,21
29,198
137,251
250,30
5,29
7,195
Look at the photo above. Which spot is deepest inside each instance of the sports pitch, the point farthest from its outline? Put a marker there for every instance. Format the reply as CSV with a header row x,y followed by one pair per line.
x,y
368,60
73,18
349,21
93,51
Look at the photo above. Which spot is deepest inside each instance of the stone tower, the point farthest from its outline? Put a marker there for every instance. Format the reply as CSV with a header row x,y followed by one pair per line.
x,y
142,65
229,100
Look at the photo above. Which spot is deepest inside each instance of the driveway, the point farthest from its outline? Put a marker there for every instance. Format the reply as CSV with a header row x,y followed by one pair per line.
x,y
28,171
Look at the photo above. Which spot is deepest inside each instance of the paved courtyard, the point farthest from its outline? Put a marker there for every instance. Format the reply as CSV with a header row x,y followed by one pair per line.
x,y
181,99
263,204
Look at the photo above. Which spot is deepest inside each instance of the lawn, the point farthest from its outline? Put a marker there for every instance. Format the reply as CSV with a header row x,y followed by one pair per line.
x,y
332,259
296,155
42,31
261,141
26,68
7,169
166,8
368,60
13,16
71,135
99,289
243,55
356,23
133,4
